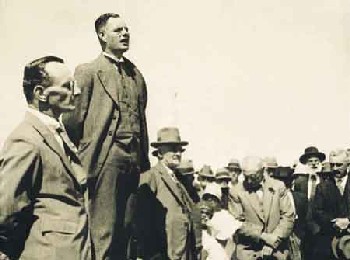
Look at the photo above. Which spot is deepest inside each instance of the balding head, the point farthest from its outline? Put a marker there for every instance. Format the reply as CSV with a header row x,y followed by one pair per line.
x,y
338,160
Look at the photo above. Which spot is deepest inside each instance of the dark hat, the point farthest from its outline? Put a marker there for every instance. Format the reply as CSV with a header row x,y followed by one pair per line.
x,y
341,247
206,171
311,151
185,167
283,173
233,164
222,173
168,136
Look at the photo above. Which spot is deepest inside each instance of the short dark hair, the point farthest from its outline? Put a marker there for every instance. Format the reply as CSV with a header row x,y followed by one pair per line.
x,y
101,21
35,74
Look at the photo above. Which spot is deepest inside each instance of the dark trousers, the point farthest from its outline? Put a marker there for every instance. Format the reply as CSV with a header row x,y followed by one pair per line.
x,y
112,207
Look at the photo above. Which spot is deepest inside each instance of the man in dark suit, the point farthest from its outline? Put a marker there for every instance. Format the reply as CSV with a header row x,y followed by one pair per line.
x,y
109,125
165,220
43,211
332,204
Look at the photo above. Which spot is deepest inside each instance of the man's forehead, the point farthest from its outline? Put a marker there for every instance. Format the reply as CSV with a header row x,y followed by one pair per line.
x,y
115,22
339,156
313,158
58,71
251,164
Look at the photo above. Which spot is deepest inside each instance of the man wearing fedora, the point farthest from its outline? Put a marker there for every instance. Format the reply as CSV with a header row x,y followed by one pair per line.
x,y
223,178
265,208
165,225
306,183
332,204
205,176
235,170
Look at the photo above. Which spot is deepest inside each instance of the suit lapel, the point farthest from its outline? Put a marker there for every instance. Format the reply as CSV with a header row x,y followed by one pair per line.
x,y
108,77
170,184
268,196
49,140
254,202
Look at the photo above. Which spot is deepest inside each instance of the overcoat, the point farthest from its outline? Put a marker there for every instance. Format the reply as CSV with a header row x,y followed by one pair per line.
x,y
42,207
165,225
275,216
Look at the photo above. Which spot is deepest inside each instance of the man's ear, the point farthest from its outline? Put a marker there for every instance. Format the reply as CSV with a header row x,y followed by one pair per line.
x,y
38,92
101,35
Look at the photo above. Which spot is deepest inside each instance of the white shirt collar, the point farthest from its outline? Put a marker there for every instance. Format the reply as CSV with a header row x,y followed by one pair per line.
x,y
113,57
48,121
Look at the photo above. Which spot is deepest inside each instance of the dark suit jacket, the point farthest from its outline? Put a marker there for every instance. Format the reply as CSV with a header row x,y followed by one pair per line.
x,y
300,202
42,211
330,204
94,122
165,227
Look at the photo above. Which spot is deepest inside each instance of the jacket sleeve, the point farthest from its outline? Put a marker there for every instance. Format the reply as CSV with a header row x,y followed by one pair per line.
x,y
74,121
145,163
20,168
285,225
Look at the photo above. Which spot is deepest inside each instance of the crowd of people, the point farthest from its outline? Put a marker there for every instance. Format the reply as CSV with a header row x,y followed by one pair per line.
x,y
76,180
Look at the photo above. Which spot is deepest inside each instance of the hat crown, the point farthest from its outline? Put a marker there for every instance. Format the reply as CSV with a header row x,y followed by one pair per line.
x,y
284,172
185,167
168,135
213,189
206,171
234,163
311,149
222,173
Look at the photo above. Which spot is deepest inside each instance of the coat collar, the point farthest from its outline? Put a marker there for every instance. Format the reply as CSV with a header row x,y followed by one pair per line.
x,y
175,189
50,141
268,192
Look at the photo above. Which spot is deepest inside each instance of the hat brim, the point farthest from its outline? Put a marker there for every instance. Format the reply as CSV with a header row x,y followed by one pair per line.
x,y
155,152
223,178
157,144
303,159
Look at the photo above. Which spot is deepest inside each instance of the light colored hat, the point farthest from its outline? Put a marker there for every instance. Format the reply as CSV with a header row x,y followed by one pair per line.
x,y
168,135
338,156
185,167
222,173
341,247
270,162
214,190
233,164
206,171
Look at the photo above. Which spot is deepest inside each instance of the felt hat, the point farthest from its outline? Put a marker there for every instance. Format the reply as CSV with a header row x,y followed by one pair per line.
x,y
283,173
185,167
168,136
222,173
311,151
214,190
341,247
270,162
206,171
233,164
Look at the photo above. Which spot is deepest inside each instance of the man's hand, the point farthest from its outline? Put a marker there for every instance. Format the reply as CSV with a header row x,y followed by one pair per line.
x,y
267,250
3,256
250,230
269,239
341,223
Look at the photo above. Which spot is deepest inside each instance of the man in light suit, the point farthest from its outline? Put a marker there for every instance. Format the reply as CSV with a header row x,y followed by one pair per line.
x,y
43,211
109,126
264,207
165,220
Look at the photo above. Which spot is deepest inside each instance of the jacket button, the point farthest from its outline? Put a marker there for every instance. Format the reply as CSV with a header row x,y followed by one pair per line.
x,y
114,117
110,133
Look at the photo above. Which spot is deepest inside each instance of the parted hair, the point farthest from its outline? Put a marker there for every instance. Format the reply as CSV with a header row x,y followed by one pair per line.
x,y
101,21
35,74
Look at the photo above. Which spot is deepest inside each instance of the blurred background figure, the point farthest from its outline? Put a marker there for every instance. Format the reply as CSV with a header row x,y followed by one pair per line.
x,y
235,170
332,205
306,183
205,176
185,173
269,164
223,178
299,203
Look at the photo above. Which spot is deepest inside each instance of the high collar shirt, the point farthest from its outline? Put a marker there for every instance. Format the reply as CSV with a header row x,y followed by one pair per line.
x,y
51,123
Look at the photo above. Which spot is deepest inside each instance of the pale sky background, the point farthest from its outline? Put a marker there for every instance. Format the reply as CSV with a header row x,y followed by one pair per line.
x,y
237,77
